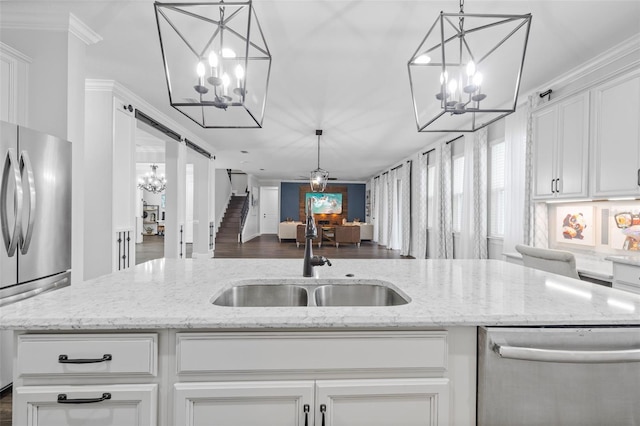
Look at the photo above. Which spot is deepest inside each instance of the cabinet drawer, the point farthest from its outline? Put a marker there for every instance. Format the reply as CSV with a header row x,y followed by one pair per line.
x,y
112,354
199,353
626,273
105,405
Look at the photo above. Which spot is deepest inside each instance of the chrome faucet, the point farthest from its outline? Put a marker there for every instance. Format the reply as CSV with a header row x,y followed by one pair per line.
x,y
311,232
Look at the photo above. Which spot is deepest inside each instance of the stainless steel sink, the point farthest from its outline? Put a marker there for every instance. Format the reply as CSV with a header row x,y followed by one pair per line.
x,y
334,292
259,295
357,295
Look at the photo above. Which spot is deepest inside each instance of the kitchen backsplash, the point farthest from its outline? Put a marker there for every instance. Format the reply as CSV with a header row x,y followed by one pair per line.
x,y
603,227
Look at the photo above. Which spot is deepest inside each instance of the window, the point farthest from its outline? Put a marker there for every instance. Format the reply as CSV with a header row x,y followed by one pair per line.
x,y
431,194
457,192
496,188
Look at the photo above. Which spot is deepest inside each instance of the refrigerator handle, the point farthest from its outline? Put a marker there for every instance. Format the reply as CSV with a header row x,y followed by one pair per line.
x,y
25,164
11,167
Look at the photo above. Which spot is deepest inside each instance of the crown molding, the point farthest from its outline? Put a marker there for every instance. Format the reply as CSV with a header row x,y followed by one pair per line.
x,y
55,22
627,47
82,31
10,51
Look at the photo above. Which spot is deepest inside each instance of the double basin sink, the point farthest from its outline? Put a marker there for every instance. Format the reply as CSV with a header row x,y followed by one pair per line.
x,y
268,293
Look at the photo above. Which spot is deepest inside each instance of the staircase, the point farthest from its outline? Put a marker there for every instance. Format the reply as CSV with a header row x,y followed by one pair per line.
x,y
230,226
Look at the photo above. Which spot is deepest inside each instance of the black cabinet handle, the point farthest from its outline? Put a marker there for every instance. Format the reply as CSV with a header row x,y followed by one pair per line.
x,y
62,399
638,177
552,180
64,359
323,409
557,182
306,409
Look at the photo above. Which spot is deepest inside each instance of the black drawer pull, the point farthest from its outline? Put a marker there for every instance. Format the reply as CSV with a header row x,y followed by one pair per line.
x,y
306,408
64,359
62,399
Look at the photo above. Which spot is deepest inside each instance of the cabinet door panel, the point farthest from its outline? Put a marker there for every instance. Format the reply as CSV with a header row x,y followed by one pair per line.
x,y
398,402
128,405
617,137
544,152
573,147
243,403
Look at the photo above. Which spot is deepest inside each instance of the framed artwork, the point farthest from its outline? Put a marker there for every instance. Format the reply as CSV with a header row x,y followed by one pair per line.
x,y
163,200
624,228
575,224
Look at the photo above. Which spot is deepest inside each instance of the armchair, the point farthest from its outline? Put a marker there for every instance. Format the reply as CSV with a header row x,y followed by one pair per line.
x,y
347,235
300,235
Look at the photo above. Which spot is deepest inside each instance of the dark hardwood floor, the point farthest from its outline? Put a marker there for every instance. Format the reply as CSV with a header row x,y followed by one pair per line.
x,y
5,407
268,246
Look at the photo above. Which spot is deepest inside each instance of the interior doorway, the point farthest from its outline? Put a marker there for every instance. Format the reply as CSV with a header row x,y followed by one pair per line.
x,y
269,209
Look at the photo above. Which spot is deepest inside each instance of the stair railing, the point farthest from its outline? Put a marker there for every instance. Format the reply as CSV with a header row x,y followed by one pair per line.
x,y
243,217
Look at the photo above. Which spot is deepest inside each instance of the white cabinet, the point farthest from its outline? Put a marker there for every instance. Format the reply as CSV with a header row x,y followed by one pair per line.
x,y
626,277
277,403
376,402
561,149
383,402
345,378
616,137
104,405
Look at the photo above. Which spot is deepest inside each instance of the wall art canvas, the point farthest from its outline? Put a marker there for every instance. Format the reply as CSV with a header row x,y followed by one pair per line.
x,y
576,224
624,228
325,203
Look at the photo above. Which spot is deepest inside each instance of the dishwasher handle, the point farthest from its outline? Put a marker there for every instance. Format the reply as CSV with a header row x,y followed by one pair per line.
x,y
572,356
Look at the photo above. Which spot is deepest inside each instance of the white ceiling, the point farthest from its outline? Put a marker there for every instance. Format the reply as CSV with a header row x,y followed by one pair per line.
x,y
338,65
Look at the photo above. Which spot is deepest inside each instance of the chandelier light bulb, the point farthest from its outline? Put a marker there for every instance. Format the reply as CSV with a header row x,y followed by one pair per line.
x,y
453,86
477,79
444,77
422,59
239,72
213,59
471,68
225,80
200,69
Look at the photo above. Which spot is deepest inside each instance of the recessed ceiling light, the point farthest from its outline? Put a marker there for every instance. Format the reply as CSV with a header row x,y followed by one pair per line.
x,y
244,152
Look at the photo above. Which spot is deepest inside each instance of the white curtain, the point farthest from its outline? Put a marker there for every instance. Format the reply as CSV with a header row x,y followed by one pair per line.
x,y
423,163
515,180
445,218
382,209
405,214
392,213
479,219
374,206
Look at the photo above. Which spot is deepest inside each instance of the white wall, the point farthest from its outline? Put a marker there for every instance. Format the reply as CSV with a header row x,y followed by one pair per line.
x,y
222,195
239,183
252,225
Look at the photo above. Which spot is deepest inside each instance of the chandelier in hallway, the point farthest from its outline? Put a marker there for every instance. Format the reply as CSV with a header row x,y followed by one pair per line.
x,y
466,72
319,177
152,182
216,62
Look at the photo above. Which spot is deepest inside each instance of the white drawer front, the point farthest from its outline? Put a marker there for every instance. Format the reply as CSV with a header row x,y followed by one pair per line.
x,y
130,354
105,405
301,351
626,273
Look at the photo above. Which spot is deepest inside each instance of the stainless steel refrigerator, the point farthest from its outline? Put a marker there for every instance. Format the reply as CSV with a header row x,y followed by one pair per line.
x,y
35,213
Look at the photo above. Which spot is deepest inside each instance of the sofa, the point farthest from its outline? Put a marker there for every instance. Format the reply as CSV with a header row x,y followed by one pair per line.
x,y
287,230
366,230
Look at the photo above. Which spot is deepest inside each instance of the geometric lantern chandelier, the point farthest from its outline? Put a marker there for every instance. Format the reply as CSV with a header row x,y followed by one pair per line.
x,y
216,62
152,182
319,177
466,72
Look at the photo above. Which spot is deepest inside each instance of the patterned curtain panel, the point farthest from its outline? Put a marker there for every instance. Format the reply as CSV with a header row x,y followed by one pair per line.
x,y
479,232
529,214
405,177
374,206
392,194
421,243
445,229
382,209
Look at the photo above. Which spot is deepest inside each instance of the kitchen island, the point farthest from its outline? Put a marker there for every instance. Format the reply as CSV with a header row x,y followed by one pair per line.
x,y
157,339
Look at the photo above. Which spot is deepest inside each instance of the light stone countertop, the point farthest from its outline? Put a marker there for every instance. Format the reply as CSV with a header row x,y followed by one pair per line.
x,y
177,294
627,260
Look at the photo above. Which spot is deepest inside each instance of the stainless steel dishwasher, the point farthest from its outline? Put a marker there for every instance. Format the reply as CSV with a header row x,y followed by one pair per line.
x,y
559,376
